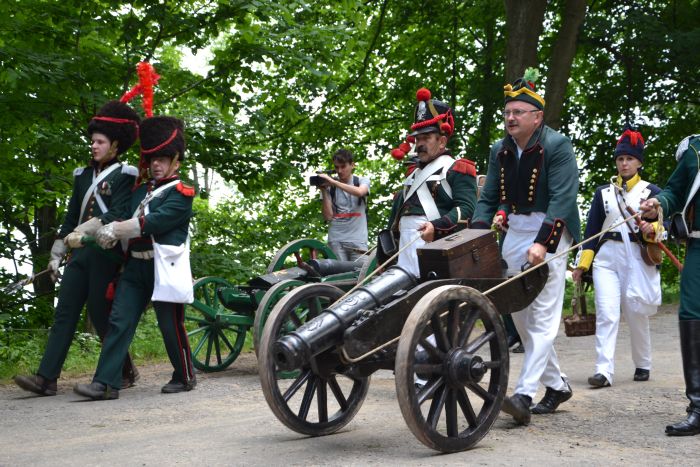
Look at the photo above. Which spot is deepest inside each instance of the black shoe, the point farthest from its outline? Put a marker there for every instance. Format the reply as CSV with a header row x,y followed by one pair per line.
x,y
518,405
551,400
641,374
178,386
96,391
130,379
130,374
36,384
600,381
687,427
519,349
513,340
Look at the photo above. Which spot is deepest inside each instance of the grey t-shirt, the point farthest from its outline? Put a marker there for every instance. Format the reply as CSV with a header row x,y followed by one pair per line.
x,y
349,222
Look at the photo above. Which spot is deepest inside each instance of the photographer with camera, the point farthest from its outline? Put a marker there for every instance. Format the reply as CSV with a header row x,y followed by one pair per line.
x,y
344,206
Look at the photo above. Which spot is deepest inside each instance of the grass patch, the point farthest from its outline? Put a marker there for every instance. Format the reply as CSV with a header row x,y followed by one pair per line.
x,y
22,350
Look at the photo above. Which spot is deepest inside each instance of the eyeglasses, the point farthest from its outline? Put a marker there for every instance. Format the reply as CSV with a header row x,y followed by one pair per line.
x,y
517,113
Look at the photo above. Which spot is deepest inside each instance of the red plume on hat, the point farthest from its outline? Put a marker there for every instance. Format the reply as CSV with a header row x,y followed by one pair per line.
x,y
630,143
147,79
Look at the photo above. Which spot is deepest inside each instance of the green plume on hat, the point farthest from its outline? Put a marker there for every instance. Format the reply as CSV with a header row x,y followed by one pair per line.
x,y
531,75
523,89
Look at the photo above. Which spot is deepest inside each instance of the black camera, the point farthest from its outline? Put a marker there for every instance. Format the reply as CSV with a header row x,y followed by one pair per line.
x,y
315,180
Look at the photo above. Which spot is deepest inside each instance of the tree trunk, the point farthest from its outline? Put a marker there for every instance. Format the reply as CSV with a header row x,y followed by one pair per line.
x,y
524,23
490,105
562,57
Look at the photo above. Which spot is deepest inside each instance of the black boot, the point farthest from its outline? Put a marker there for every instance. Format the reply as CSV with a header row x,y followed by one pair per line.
x,y
130,374
690,351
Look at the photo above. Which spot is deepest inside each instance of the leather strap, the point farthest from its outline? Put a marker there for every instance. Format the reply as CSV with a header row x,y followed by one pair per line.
x,y
93,190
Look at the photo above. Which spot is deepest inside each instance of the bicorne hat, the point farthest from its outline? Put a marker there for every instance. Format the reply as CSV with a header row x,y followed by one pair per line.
x,y
523,89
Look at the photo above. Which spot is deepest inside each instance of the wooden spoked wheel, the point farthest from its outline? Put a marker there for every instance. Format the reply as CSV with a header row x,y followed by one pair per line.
x,y
269,300
452,368
311,403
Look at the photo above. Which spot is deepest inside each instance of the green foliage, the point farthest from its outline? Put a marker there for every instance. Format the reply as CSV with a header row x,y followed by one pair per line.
x,y
290,82
21,351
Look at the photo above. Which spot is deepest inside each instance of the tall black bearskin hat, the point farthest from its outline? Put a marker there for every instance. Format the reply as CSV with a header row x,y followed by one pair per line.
x,y
631,143
430,116
523,89
162,136
118,122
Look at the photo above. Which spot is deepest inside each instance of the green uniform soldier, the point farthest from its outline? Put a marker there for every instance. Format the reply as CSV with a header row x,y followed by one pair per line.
x,y
438,197
161,209
681,195
101,194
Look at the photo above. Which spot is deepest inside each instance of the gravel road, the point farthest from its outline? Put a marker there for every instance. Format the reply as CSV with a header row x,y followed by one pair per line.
x,y
226,421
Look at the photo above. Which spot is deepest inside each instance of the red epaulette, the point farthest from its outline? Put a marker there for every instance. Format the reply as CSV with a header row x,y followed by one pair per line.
x,y
185,190
465,166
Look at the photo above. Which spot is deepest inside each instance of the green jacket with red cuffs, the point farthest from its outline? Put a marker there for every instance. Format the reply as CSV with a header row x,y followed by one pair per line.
x,y
544,179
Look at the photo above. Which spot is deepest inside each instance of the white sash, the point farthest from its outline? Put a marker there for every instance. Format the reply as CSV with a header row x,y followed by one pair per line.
x,y
417,184
691,194
142,207
93,190
631,198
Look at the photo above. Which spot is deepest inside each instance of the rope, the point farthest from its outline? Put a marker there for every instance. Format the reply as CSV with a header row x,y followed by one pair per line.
x,y
492,289
378,268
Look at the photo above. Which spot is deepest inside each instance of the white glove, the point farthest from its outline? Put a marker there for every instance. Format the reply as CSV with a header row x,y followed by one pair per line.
x,y
89,227
108,235
58,251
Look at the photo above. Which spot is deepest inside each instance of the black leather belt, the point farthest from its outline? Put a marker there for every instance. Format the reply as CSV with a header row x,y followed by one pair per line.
x,y
617,236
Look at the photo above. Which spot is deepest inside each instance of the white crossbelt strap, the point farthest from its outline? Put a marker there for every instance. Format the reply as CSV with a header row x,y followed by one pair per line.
x,y
638,192
143,205
93,190
417,182
691,194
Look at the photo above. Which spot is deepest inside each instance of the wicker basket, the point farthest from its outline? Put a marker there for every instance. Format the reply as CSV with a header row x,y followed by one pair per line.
x,y
580,323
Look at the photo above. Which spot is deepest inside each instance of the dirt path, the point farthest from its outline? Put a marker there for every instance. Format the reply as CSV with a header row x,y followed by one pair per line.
x,y
226,421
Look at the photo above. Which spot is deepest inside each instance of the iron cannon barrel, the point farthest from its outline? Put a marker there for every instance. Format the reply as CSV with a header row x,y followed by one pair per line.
x,y
326,330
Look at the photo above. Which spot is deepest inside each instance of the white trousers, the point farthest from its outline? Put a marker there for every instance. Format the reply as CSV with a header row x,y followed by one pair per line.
x,y
538,323
408,231
610,278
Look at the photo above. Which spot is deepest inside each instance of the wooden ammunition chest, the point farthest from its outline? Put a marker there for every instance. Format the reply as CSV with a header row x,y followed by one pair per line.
x,y
471,253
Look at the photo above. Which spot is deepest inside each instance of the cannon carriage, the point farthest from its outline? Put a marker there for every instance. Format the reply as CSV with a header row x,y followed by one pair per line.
x,y
223,313
441,334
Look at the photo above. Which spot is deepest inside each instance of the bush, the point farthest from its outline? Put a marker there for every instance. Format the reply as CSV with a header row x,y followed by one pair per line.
x,y
22,350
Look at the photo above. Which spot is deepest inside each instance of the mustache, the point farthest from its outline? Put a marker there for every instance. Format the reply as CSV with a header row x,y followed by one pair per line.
x,y
421,148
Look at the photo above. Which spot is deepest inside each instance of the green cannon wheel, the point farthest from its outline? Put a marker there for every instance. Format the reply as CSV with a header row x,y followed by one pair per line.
x,y
215,343
297,251
269,300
